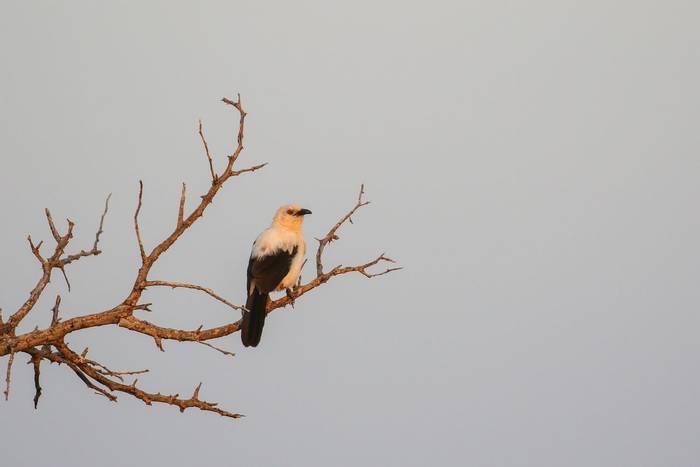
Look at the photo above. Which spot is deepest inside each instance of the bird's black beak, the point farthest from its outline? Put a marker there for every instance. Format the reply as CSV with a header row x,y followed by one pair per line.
x,y
302,212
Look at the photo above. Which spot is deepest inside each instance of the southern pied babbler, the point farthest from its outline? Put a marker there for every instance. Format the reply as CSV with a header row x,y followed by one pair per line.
x,y
275,264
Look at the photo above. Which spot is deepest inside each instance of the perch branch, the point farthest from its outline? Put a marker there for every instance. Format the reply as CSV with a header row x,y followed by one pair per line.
x,y
97,376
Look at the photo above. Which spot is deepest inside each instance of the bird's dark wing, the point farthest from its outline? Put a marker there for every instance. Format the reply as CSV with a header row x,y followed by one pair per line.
x,y
269,270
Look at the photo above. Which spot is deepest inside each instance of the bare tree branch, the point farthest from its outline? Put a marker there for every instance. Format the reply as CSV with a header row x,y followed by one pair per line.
x,y
107,372
325,277
181,209
331,235
241,126
183,285
102,221
35,250
206,150
47,265
249,169
225,352
83,377
54,311
65,276
8,375
136,223
148,398
36,361
94,251
144,327
52,226
39,343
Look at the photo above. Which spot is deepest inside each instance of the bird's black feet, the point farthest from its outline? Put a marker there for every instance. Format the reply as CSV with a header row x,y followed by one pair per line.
x,y
290,296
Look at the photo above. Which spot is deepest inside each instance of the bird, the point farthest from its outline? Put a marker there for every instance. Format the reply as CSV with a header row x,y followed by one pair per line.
x,y
275,264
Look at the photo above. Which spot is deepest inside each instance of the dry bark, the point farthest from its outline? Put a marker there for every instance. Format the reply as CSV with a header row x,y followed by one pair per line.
x,y
50,343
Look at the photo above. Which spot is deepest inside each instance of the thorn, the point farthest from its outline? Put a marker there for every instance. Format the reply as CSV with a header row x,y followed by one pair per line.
x,y
195,394
159,343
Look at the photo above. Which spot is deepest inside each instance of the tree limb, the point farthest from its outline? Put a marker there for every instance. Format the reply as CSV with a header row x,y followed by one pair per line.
x,y
206,149
36,361
331,235
8,376
39,343
181,209
183,285
136,224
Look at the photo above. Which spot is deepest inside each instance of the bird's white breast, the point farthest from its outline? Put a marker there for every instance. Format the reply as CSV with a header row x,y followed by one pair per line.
x,y
275,239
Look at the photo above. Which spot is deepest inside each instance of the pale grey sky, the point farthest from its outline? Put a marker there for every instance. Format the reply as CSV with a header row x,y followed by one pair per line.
x,y
533,165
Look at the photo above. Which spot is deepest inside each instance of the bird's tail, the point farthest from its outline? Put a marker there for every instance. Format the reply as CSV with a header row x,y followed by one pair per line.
x,y
254,319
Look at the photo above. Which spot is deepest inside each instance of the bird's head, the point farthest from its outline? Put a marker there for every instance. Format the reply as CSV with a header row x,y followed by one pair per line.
x,y
290,216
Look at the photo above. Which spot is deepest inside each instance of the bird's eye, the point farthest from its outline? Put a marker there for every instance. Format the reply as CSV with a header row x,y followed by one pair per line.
x,y
290,212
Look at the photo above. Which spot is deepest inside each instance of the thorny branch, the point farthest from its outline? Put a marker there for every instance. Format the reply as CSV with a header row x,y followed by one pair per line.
x,y
206,150
142,251
54,311
49,344
36,361
183,285
331,235
8,375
